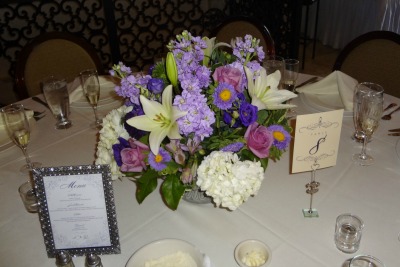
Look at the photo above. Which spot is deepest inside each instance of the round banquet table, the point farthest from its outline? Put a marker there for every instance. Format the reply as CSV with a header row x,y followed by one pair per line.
x,y
274,216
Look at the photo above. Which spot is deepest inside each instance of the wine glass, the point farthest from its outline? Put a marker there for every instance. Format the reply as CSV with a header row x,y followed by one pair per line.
x,y
290,76
273,63
362,89
370,112
19,131
91,88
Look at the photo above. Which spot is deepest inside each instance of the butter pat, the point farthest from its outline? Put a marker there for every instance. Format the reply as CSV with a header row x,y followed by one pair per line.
x,y
178,259
254,258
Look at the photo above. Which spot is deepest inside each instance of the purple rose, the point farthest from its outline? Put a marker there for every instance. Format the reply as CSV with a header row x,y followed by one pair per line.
x,y
155,85
133,158
259,140
230,75
247,113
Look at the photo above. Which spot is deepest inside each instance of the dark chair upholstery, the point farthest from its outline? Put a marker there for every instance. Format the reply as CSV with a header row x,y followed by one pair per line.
x,y
239,26
373,57
53,53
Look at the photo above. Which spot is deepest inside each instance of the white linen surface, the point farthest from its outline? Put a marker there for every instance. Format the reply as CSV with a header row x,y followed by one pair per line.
x,y
336,83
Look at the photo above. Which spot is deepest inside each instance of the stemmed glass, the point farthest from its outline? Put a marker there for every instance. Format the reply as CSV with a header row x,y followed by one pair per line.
x,y
290,76
370,112
273,63
362,89
19,131
91,88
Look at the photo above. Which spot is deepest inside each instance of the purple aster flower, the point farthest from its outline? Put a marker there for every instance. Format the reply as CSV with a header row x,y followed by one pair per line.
x,y
234,147
224,95
155,85
281,136
159,162
247,113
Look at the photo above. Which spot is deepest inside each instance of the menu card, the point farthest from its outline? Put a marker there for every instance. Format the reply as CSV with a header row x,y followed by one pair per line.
x,y
316,140
77,208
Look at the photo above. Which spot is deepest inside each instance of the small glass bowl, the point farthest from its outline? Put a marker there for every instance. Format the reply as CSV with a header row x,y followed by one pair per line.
x,y
252,246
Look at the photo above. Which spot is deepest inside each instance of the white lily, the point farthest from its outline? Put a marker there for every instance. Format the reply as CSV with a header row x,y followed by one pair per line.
x,y
210,48
264,91
159,119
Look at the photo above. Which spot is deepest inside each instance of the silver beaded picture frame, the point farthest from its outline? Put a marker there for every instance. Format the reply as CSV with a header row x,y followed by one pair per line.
x,y
77,209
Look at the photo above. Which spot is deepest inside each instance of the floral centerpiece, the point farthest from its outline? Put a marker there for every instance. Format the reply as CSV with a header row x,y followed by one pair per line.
x,y
203,119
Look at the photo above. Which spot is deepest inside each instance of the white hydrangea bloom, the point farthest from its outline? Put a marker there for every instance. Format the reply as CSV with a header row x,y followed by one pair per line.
x,y
229,181
112,129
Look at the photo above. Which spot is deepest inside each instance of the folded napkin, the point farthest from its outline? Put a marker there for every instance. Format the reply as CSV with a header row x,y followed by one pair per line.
x,y
336,83
75,88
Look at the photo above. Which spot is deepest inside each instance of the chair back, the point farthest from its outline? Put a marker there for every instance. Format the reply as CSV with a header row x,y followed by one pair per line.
x,y
373,57
53,53
240,26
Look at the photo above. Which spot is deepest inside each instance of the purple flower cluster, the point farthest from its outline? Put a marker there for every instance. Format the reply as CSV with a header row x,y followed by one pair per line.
x,y
199,117
193,77
242,113
245,49
131,84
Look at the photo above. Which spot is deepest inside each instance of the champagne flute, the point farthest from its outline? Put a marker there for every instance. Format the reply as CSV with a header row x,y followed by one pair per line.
x,y
19,131
362,89
290,76
91,88
371,108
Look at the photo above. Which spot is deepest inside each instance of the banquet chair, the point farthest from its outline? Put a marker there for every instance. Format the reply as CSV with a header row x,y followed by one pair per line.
x,y
53,53
373,57
239,26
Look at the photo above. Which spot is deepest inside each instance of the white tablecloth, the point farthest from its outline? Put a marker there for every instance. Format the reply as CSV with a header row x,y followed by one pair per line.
x,y
273,216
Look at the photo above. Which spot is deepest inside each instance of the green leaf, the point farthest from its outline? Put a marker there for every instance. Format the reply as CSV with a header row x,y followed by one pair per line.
x,y
264,163
172,190
146,184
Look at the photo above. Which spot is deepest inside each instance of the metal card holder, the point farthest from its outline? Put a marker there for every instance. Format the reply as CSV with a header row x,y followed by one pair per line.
x,y
71,200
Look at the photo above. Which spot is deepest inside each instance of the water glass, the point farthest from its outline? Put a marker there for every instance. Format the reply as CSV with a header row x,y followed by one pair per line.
x,y
365,261
361,90
56,94
273,63
28,197
348,232
291,74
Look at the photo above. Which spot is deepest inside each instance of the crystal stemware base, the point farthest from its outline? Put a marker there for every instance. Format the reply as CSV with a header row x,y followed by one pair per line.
x,y
363,160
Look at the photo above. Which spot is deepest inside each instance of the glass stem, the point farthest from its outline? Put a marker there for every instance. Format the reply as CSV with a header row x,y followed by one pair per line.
x,y
27,158
363,155
95,113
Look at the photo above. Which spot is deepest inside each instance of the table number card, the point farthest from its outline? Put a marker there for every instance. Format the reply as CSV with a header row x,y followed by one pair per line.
x,y
316,140
77,210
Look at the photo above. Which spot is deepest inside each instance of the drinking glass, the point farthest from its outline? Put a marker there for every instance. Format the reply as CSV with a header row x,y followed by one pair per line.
x,y
370,112
91,88
365,261
57,97
290,76
19,131
348,231
273,63
361,90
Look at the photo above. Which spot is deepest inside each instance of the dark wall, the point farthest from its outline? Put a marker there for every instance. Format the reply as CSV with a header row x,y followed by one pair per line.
x,y
134,31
